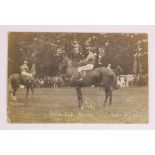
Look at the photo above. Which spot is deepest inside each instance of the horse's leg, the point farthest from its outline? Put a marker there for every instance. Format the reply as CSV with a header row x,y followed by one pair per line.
x,y
32,90
27,92
79,96
81,99
106,97
110,99
110,96
105,101
14,91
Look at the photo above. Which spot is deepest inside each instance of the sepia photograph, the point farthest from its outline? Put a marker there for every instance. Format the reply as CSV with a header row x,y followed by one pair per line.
x,y
77,77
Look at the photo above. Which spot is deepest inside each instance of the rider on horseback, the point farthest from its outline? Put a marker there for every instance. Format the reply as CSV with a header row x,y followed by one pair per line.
x,y
25,71
89,61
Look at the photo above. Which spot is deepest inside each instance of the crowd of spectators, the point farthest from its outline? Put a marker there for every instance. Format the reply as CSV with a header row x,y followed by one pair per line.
x,y
52,82
132,80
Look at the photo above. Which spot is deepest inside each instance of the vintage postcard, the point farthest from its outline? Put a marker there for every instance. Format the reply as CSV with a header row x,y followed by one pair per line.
x,y
77,77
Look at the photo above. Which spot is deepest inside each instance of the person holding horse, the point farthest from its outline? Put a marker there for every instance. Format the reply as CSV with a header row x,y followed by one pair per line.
x,y
90,63
25,71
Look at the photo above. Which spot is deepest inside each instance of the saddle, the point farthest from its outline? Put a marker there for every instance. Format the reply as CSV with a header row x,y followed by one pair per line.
x,y
25,78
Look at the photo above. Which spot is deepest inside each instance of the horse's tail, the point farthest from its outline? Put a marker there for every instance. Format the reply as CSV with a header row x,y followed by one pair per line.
x,y
10,89
10,84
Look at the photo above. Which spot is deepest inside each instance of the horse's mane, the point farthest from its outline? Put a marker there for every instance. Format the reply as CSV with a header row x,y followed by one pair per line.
x,y
74,63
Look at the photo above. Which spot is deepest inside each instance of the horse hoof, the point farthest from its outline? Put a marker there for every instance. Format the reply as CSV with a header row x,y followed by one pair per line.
x,y
81,107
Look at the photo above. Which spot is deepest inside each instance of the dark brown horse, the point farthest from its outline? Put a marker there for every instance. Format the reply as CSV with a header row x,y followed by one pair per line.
x,y
99,76
15,80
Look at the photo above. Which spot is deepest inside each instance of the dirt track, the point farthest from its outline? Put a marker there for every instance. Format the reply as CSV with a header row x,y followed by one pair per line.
x,y
49,105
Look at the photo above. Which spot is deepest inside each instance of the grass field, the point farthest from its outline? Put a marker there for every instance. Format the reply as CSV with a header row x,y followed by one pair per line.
x,y
49,105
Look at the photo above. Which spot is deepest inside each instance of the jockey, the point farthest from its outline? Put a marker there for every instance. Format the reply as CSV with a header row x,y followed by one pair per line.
x,y
89,61
24,69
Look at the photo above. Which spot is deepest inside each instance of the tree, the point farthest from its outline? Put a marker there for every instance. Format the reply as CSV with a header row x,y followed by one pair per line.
x,y
46,49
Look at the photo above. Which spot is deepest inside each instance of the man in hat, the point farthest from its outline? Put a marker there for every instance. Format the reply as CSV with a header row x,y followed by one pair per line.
x,y
24,69
89,61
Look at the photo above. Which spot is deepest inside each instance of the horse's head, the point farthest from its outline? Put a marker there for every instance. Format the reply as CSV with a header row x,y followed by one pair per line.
x,y
63,64
66,65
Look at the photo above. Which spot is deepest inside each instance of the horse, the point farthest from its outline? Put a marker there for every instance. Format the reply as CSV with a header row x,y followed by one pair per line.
x,y
102,76
16,79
